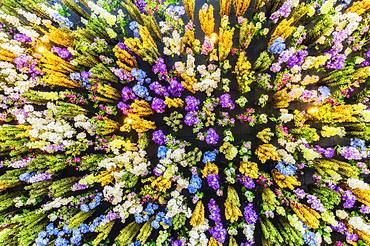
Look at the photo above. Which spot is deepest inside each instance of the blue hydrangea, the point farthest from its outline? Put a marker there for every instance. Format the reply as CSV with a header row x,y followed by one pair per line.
x,y
288,170
309,238
140,91
358,143
84,208
61,242
277,46
83,228
209,156
134,27
162,151
75,76
325,91
63,20
42,239
155,224
195,184
138,218
76,237
25,177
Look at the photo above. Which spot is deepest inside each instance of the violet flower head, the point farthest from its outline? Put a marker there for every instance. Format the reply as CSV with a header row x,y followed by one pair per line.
x,y
212,137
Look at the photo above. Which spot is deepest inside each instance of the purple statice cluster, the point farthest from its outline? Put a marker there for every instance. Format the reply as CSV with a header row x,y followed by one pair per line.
x,y
315,203
122,46
364,209
175,11
21,163
159,137
77,186
34,177
27,64
250,214
342,228
160,69
212,136
177,243
158,105
213,181
140,4
366,62
192,103
283,11
195,184
191,119
82,77
127,94
287,170
62,53
218,231
226,101
300,193
159,169
246,181
175,88
349,199
327,152
297,58
124,107
350,153
337,59
52,148
145,215
159,89
22,38
247,243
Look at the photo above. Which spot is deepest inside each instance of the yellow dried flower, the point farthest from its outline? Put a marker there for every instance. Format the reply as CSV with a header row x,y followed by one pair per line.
x,y
197,217
207,20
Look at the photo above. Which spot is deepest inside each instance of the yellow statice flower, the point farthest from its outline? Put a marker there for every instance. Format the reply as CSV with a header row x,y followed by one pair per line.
x,y
174,102
207,20
161,184
197,218
209,168
232,205
249,168
266,152
330,131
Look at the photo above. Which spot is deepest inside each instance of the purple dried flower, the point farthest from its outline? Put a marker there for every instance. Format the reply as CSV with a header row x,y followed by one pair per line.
x,y
212,136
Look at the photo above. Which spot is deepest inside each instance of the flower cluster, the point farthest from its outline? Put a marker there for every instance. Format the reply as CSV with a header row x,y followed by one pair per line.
x,y
152,122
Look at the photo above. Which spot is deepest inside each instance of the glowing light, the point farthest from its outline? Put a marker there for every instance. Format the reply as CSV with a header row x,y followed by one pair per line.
x,y
312,110
40,49
214,37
